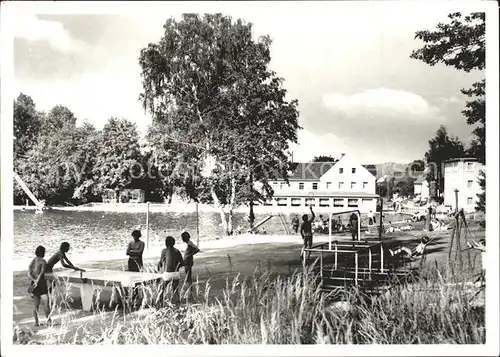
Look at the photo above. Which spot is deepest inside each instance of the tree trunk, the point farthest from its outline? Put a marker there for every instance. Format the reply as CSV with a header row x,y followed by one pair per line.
x,y
221,211
251,215
232,204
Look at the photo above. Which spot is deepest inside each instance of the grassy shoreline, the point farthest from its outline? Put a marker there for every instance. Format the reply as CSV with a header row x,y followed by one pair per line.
x,y
250,294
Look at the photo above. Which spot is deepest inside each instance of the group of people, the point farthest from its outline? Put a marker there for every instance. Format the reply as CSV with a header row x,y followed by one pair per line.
x,y
171,260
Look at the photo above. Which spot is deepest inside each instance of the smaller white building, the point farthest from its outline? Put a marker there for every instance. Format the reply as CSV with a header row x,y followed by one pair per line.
x,y
462,174
336,186
421,187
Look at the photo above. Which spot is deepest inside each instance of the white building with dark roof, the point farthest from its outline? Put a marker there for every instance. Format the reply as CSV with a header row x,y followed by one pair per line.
x,y
462,174
327,186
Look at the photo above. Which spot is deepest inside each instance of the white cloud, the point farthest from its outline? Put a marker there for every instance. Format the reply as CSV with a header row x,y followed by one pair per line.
x,y
383,102
29,27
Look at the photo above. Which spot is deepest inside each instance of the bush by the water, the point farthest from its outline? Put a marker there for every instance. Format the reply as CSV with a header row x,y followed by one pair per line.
x,y
292,310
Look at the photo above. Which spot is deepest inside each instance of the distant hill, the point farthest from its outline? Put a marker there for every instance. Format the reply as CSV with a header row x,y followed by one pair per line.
x,y
386,168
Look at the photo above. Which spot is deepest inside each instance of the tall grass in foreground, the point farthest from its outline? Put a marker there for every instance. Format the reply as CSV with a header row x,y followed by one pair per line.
x,y
292,310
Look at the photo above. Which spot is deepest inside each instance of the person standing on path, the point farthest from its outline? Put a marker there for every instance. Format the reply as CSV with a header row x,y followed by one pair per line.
x,y
191,250
295,224
353,221
134,251
306,230
38,287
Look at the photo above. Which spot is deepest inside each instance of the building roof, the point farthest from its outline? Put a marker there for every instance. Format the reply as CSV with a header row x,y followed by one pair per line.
x,y
325,194
310,170
462,159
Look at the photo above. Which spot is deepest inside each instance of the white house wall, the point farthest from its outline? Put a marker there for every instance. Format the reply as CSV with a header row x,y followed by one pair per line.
x,y
362,175
459,175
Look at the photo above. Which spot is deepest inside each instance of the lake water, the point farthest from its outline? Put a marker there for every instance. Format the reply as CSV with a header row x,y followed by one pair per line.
x,y
110,231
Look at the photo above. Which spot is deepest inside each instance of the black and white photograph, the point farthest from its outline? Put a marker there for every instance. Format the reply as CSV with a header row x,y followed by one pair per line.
x,y
250,178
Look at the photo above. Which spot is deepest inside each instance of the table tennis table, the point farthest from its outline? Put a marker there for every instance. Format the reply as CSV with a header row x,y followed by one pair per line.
x,y
90,280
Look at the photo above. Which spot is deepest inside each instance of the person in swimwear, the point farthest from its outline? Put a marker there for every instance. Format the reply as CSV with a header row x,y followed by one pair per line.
x,y
38,287
60,256
191,250
134,251
170,261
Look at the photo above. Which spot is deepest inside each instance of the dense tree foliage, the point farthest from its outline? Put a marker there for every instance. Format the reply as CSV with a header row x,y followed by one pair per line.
x,y
27,122
481,203
118,161
441,148
219,113
461,43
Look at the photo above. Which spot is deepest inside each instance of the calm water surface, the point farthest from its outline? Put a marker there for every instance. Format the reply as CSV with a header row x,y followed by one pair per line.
x,y
107,231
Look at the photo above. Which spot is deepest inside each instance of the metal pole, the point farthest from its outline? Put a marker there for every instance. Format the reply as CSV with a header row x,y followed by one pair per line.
x,y
335,255
456,201
381,258
330,232
321,267
356,269
381,211
370,260
359,225
147,226
197,226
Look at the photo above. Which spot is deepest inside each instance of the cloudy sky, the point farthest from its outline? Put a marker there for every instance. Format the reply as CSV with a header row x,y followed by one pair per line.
x,y
347,64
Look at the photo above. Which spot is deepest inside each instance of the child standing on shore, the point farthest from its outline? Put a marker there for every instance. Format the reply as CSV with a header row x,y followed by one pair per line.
x,y
134,251
170,261
306,230
38,287
191,250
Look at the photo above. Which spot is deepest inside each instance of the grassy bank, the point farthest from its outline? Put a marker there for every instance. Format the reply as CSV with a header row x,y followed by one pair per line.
x,y
250,294
275,309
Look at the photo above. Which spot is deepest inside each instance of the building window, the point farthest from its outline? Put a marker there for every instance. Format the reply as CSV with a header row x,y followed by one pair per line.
x,y
469,201
338,202
275,185
310,202
268,203
341,170
469,184
328,185
353,170
470,166
315,185
296,202
281,201
352,202
365,185
281,185
301,185
324,202
341,185
353,185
